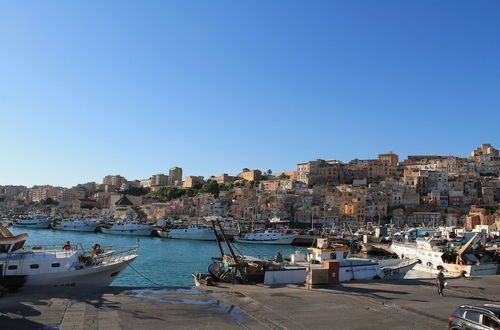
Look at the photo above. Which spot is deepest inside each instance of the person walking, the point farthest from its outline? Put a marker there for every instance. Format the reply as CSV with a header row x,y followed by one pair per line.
x,y
440,280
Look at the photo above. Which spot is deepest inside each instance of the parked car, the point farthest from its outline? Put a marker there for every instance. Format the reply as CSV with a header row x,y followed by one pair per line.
x,y
467,317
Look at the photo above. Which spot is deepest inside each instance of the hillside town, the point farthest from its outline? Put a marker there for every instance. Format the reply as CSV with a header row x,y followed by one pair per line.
x,y
420,190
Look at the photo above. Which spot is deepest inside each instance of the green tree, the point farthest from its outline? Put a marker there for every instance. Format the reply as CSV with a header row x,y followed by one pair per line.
x,y
211,187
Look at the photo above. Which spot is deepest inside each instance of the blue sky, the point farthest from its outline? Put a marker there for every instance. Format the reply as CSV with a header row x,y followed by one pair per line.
x,y
135,87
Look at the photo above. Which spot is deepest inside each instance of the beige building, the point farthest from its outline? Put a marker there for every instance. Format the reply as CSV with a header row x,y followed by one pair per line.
x,y
41,193
250,175
159,180
389,158
68,196
224,178
191,180
114,180
485,149
175,176
146,183
320,171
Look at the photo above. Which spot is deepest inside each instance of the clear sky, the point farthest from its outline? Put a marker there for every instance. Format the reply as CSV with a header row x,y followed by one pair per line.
x,y
90,88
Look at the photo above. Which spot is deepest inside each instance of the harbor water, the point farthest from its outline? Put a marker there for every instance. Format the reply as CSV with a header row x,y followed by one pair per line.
x,y
161,262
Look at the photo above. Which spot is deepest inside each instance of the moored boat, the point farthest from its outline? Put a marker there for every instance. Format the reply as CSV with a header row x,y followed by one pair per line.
x,y
196,231
58,266
35,221
352,268
268,236
456,261
76,225
134,228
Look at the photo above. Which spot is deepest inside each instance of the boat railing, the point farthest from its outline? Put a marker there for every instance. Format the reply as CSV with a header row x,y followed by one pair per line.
x,y
60,248
114,255
365,256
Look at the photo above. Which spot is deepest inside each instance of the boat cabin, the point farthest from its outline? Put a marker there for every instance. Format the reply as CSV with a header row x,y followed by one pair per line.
x,y
337,252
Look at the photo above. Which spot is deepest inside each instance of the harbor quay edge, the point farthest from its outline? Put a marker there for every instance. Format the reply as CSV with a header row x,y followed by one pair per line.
x,y
394,304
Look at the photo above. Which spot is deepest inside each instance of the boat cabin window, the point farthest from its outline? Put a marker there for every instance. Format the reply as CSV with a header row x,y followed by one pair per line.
x,y
333,256
18,245
12,267
4,248
345,254
55,265
34,266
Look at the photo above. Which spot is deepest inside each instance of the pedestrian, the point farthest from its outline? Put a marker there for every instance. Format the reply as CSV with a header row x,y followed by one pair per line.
x,y
67,247
440,280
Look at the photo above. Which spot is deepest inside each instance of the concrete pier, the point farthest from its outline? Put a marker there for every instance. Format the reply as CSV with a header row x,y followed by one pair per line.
x,y
403,304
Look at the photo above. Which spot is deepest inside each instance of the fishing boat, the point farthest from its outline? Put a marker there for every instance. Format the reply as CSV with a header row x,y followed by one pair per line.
x,y
134,228
76,225
49,265
267,236
352,268
376,248
197,231
34,221
456,261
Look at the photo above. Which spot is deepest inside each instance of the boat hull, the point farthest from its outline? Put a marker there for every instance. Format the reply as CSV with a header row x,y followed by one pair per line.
x,y
83,228
287,241
131,232
38,225
278,241
399,271
200,236
430,260
96,276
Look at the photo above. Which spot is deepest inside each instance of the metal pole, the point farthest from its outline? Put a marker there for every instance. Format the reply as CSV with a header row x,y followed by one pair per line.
x,y
238,265
221,250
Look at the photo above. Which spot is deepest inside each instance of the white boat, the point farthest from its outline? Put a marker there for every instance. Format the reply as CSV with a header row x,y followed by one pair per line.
x,y
431,253
76,225
129,228
352,268
33,222
56,266
268,236
196,231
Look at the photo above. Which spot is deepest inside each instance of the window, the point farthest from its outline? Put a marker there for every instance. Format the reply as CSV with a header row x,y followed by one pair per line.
x,y
34,266
472,316
4,248
12,267
489,322
56,264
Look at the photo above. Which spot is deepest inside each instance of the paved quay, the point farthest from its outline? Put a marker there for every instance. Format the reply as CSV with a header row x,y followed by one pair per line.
x,y
403,304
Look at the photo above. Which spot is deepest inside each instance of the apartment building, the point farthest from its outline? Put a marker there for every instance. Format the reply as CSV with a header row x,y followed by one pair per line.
x,y
320,171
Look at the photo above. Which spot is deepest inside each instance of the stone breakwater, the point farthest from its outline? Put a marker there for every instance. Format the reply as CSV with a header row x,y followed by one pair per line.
x,y
402,304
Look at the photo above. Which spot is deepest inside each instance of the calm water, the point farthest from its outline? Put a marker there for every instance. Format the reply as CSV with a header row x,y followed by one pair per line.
x,y
167,262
